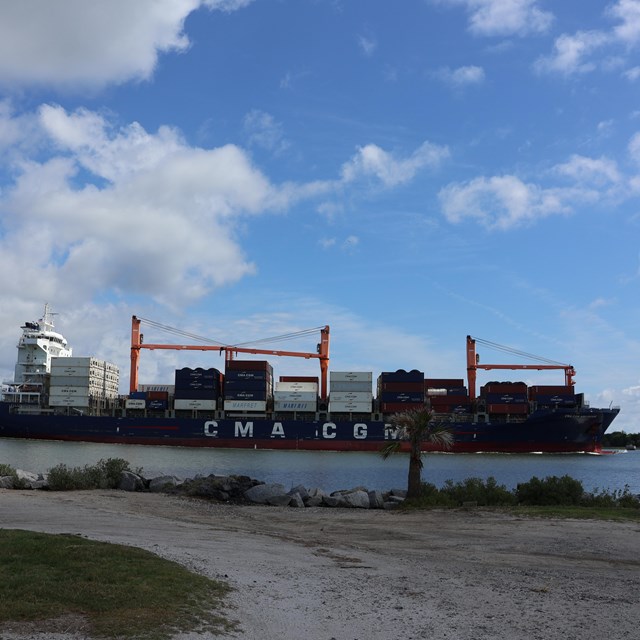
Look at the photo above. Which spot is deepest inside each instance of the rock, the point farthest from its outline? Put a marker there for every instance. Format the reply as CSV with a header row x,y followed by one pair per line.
x,y
296,500
279,500
130,481
392,502
334,500
358,499
314,498
163,483
262,493
300,490
398,493
6,482
375,499
27,476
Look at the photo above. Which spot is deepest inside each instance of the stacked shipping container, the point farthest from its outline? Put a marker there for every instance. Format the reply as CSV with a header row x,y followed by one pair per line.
x,y
350,391
295,395
248,385
82,382
447,395
400,390
196,389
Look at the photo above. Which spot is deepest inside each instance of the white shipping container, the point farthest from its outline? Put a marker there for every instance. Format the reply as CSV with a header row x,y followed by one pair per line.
x,y
354,396
74,381
245,405
77,372
181,404
68,401
436,392
297,386
134,403
284,406
350,407
349,386
350,376
69,391
296,396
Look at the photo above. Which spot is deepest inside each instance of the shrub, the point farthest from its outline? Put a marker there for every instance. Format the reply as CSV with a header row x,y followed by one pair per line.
x,y
104,475
484,493
550,491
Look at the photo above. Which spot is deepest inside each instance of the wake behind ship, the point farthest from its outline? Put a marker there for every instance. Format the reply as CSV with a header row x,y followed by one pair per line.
x,y
57,396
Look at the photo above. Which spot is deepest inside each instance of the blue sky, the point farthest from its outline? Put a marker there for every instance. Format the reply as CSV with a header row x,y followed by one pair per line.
x,y
407,173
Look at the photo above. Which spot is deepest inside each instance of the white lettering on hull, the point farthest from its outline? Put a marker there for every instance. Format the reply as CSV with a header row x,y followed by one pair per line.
x,y
211,429
360,431
329,430
244,431
278,430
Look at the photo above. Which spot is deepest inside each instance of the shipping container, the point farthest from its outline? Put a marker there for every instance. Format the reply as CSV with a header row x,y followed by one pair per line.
x,y
504,398
295,396
134,403
353,396
157,405
337,385
350,407
286,406
241,374
308,387
166,388
197,394
246,394
400,386
350,376
504,387
300,379
400,407
398,396
68,401
183,404
245,405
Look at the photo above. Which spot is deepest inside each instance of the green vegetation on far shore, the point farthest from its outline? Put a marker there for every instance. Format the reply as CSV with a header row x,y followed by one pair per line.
x,y
112,591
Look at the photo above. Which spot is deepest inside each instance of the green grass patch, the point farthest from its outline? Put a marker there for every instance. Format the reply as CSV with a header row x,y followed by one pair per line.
x,y
121,592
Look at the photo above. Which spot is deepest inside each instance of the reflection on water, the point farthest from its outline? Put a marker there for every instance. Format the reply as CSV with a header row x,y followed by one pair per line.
x,y
330,470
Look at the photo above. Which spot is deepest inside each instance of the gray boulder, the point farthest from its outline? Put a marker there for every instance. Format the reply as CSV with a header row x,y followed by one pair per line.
x,y
6,482
314,498
266,493
163,483
375,499
130,481
358,499
296,501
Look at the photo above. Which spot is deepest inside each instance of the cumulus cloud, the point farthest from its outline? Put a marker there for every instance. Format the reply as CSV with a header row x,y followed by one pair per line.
x,y
92,207
504,17
499,202
373,161
74,43
575,53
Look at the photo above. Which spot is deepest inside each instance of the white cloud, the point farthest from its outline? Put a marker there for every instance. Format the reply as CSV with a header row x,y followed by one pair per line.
x,y
499,202
504,17
589,170
632,74
371,160
570,52
462,76
634,148
574,53
74,43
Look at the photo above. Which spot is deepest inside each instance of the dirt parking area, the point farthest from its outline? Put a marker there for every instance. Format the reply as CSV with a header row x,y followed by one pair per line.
x,y
350,574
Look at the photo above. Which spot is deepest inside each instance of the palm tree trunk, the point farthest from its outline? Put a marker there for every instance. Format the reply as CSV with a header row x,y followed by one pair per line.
x,y
414,484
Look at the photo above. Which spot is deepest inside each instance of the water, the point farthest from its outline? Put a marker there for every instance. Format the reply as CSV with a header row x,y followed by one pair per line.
x,y
329,470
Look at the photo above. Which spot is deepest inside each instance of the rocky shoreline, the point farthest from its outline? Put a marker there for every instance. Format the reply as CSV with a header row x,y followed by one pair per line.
x,y
233,489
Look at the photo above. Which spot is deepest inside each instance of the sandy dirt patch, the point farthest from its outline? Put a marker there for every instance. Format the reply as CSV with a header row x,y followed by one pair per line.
x,y
346,574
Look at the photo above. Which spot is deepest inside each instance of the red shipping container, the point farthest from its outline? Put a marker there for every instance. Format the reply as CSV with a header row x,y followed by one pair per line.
x,y
443,383
400,386
400,407
299,379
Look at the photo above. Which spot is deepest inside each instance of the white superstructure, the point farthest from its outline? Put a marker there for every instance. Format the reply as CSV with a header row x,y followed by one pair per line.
x,y
38,344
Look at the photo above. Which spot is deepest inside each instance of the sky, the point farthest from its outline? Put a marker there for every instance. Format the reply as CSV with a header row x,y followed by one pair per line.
x,y
407,173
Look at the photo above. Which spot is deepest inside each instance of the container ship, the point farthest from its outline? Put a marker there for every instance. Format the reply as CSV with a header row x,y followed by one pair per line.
x,y
58,396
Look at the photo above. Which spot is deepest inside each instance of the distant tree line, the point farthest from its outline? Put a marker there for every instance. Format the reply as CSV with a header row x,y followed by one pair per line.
x,y
620,439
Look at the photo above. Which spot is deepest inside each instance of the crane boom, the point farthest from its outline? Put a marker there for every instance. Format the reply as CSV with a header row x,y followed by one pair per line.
x,y
137,343
473,364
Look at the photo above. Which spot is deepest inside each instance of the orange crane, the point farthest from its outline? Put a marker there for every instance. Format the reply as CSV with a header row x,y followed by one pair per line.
x,y
473,364
137,343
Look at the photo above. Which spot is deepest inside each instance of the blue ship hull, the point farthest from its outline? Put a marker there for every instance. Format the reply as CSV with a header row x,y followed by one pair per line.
x,y
546,430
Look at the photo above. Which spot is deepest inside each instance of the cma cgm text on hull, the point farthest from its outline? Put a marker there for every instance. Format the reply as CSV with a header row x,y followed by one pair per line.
x,y
57,396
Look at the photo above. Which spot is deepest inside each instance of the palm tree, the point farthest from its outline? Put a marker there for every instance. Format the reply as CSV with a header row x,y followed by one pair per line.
x,y
416,426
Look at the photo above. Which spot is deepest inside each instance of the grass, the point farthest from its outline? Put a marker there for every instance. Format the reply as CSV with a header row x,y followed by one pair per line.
x,y
619,514
118,591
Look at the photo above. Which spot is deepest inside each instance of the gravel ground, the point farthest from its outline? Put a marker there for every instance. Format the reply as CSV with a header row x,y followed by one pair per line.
x,y
346,574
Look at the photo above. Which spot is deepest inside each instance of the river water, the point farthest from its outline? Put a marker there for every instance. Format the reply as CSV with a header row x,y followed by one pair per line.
x,y
329,470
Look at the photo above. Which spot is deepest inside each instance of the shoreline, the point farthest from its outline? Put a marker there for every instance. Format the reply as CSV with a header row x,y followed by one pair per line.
x,y
348,574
